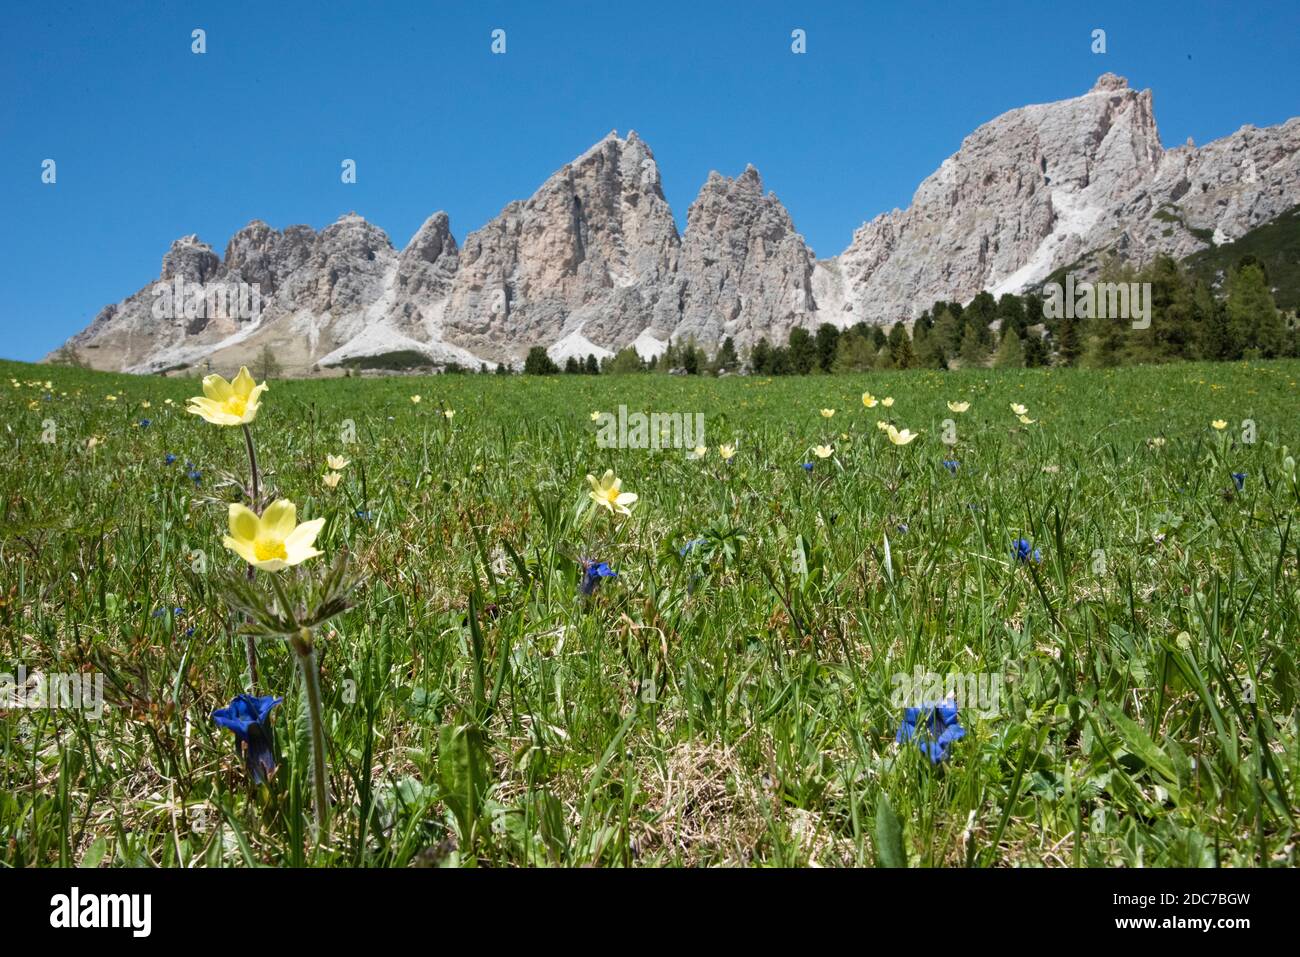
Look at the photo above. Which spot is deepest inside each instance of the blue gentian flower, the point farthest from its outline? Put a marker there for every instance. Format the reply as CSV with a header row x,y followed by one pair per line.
x,y
807,466
592,573
250,718
951,465
169,459
934,727
1023,551
363,514
145,423
1240,479
690,546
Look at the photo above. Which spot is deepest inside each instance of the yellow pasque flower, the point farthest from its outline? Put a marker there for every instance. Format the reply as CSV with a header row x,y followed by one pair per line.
x,y
900,437
1156,443
699,451
415,400
1026,420
823,451
145,404
228,403
1219,424
827,413
595,416
273,540
337,462
882,425
110,398
868,400
449,413
726,451
1018,409
958,406
887,401
331,479
608,493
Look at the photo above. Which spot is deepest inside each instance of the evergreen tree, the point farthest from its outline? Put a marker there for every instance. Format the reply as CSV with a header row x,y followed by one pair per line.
x,y
900,347
1252,314
1011,353
1035,351
803,351
973,350
946,332
538,362
571,366
726,360
591,366
853,353
627,360
827,340
1069,344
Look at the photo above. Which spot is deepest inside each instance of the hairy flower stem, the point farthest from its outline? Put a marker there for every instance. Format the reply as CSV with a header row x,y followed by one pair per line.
x,y
306,655
250,646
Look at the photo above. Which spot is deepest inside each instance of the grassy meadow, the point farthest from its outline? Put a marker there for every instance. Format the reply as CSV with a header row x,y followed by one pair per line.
x,y
730,703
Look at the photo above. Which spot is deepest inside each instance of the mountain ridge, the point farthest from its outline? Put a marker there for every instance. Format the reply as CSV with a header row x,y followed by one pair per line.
x,y
593,260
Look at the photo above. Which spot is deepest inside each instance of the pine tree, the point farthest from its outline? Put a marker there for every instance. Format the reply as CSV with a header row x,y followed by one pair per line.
x,y
760,356
1011,353
973,351
803,351
726,360
1252,315
827,339
537,362
853,353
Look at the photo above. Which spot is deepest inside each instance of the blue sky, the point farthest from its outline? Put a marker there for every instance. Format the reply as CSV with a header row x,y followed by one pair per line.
x,y
154,142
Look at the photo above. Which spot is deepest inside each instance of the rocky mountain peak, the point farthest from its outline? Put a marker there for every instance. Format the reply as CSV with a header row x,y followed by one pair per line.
x,y
592,261
1109,82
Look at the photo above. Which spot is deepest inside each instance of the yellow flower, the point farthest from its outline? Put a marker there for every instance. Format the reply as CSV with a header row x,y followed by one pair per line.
x,y
449,413
274,540
1018,409
1219,424
823,451
110,398
827,413
167,401
958,406
882,425
887,401
337,462
608,493
415,400
595,416
1156,443
726,451
228,403
1026,420
331,479
868,400
145,404
699,451
901,437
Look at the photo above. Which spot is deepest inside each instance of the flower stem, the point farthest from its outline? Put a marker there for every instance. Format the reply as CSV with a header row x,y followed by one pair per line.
x,y
306,655
250,646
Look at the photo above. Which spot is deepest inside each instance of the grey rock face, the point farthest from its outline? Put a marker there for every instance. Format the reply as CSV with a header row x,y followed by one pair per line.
x,y
592,262
592,255
745,272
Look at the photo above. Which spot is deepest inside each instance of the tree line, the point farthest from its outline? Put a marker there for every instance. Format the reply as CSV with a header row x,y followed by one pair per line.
x,y
1189,320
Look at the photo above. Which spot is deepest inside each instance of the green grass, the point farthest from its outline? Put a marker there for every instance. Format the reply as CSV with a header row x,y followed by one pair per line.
x,y
733,707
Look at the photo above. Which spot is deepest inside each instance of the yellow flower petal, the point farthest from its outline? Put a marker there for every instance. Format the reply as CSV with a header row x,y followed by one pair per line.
x,y
279,519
